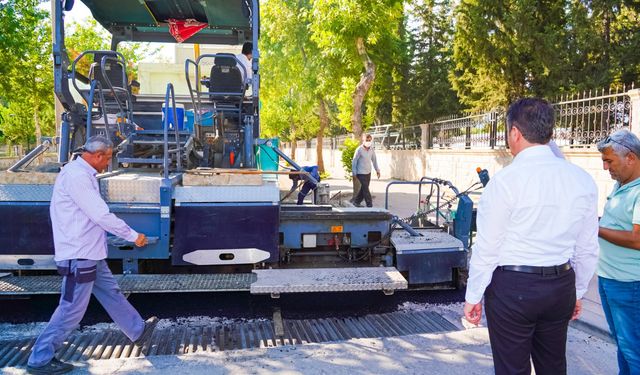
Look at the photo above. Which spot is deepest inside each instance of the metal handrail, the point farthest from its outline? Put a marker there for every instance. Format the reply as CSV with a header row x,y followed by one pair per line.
x,y
170,93
119,59
419,183
198,89
77,59
92,89
196,114
28,158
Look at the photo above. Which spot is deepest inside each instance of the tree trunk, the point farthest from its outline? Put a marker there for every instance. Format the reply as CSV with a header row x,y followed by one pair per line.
x,y
324,124
38,130
400,77
36,121
366,80
294,146
294,142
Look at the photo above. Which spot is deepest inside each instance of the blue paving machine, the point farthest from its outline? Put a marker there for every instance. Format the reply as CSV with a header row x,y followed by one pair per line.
x,y
206,192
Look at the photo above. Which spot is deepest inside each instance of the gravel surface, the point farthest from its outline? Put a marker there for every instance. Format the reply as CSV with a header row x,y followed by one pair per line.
x,y
461,352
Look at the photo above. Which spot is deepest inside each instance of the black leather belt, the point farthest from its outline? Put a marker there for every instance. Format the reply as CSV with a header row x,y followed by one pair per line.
x,y
551,270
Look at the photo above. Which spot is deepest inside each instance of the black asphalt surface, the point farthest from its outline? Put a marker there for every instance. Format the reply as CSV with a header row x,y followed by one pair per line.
x,y
233,305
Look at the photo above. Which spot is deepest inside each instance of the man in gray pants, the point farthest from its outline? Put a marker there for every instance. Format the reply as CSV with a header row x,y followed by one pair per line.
x,y
364,156
79,219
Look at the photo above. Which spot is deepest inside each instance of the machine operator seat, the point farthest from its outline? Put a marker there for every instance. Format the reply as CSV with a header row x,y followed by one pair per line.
x,y
226,87
114,76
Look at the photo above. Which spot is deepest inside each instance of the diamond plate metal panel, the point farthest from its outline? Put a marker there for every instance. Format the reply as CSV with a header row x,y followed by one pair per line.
x,y
327,280
26,285
431,239
25,193
131,188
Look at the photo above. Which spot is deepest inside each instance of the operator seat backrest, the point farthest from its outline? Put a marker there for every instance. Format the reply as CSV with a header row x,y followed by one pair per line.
x,y
113,70
226,79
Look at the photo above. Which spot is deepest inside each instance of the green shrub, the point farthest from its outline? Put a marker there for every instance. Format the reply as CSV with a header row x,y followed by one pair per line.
x,y
348,150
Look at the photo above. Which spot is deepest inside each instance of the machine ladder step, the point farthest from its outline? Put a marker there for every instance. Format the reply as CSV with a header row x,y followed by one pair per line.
x,y
140,160
161,132
156,142
278,281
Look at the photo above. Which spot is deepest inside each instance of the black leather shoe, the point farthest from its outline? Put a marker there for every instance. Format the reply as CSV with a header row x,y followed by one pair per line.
x,y
149,325
55,366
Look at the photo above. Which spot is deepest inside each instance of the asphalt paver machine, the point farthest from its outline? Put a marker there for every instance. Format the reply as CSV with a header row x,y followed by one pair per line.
x,y
206,195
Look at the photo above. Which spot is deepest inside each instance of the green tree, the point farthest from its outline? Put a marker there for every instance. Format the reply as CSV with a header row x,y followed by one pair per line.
x,y
352,31
26,102
505,49
288,98
605,41
430,47
90,35
298,105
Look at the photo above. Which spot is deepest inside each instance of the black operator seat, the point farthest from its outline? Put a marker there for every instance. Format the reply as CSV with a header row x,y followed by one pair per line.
x,y
114,76
226,86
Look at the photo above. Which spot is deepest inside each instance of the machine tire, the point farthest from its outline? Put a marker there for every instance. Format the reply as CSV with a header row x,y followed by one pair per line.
x,y
217,160
78,138
193,160
460,276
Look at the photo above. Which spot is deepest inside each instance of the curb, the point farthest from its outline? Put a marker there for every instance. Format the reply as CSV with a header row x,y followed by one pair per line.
x,y
592,330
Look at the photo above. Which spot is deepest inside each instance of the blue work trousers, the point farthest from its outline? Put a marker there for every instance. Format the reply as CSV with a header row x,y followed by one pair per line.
x,y
620,302
84,277
304,191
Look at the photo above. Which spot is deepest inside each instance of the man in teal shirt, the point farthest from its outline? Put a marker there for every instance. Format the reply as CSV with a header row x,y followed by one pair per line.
x,y
619,265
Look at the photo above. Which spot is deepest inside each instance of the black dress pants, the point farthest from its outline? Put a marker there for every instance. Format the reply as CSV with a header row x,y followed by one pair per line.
x,y
364,192
528,317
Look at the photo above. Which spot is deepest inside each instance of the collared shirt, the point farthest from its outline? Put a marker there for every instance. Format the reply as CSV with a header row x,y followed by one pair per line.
x,y
538,211
80,217
621,212
247,72
362,159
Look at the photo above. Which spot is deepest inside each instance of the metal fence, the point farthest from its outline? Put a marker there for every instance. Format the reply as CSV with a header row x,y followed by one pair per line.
x,y
482,130
584,119
581,121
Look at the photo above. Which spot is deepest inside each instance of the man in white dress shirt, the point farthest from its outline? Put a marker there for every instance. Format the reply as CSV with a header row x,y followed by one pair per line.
x,y
245,62
536,248
79,219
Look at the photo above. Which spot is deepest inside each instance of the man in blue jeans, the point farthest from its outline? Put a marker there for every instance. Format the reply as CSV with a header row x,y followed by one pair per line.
x,y
619,265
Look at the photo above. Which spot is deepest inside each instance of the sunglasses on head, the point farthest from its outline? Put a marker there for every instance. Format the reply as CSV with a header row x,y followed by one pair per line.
x,y
609,140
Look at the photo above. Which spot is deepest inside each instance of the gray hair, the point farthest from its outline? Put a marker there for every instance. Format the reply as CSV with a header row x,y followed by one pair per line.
x,y
97,143
621,142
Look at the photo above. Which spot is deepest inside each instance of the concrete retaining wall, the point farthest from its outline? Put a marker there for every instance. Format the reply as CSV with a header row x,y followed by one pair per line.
x,y
457,166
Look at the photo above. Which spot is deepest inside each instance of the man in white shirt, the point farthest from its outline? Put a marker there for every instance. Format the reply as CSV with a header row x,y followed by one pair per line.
x,y
79,219
245,62
536,248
